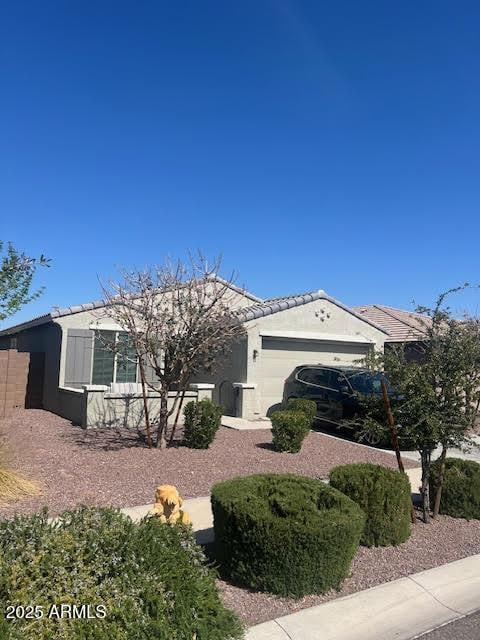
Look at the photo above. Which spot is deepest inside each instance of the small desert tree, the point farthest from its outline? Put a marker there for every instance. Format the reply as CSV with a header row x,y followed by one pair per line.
x,y
452,356
16,276
437,396
181,322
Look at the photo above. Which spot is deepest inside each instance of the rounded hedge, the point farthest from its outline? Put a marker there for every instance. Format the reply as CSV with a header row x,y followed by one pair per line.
x,y
385,497
202,421
461,488
309,407
289,429
285,534
151,577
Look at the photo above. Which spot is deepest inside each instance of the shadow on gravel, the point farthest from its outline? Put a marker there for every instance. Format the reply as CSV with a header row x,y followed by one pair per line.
x,y
107,439
265,445
350,436
114,439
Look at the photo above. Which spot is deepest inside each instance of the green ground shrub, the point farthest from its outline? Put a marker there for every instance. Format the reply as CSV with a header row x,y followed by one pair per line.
x,y
289,429
309,407
383,494
151,577
202,420
461,488
285,534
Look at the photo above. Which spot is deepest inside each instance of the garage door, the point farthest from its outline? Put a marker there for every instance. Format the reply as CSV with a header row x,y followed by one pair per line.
x,y
280,356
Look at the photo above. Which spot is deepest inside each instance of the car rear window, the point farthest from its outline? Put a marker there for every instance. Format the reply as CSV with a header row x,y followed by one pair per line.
x,y
321,377
366,381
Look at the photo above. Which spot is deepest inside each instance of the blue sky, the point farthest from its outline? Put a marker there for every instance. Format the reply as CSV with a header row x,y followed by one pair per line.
x,y
330,145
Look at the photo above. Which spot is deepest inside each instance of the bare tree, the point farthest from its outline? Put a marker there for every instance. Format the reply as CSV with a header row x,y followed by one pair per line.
x,y
181,321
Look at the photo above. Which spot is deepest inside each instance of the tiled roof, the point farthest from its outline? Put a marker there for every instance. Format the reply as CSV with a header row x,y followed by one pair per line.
x,y
260,309
98,304
401,325
274,305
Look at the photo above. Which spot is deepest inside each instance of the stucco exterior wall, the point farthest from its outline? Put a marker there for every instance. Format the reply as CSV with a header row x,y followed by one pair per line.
x,y
232,369
98,319
127,411
42,339
71,404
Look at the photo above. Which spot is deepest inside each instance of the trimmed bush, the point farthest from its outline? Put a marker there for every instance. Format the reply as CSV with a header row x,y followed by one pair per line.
x,y
289,429
385,497
202,420
285,534
461,488
309,407
151,577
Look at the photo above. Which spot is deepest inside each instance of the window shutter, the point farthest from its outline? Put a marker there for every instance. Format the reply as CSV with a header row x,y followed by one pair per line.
x,y
150,374
78,364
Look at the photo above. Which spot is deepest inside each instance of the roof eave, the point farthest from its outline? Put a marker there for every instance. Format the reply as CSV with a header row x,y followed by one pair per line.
x,y
36,322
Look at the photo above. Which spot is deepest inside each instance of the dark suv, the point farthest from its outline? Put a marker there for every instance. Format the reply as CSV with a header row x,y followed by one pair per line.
x,y
334,389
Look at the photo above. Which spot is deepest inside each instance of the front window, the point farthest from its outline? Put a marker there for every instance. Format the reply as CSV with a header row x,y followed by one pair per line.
x,y
114,358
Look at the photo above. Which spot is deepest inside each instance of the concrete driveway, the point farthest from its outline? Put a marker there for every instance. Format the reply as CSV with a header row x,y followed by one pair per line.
x,y
472,454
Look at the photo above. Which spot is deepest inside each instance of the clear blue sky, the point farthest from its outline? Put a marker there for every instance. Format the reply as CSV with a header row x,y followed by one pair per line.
x,y
330,145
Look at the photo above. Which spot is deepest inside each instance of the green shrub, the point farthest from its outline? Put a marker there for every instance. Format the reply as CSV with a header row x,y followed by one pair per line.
x,y
285,534
151,578
385,497
309,407
289,429
461,488
202,420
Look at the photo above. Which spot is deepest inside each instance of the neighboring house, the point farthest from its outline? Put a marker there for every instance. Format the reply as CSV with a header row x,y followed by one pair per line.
x,y
88,384
403,327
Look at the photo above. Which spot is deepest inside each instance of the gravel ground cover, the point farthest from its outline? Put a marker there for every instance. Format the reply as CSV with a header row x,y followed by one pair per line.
x,y
445,540
110,468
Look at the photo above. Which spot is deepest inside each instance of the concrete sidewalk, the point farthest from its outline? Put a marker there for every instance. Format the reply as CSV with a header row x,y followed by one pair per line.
x,y
402,609
199,510
241,424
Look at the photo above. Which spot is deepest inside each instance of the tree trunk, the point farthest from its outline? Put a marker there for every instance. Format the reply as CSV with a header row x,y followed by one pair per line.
x,y
162,419
426,456
174,428
145,404
438,493
394,437
392,426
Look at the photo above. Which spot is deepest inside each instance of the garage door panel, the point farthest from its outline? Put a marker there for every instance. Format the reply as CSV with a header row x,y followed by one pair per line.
x,y
279,357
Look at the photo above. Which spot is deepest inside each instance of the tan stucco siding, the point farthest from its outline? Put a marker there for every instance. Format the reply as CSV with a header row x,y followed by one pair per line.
x,y
98,318
231,369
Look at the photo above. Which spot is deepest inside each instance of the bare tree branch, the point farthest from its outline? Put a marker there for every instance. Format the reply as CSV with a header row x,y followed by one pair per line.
x,y
181,321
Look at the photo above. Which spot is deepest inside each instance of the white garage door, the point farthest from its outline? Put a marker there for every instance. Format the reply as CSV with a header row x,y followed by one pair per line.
x,y
280,356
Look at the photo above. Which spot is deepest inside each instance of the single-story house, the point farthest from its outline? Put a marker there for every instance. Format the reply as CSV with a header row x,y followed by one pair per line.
x,y
88,384
405,328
